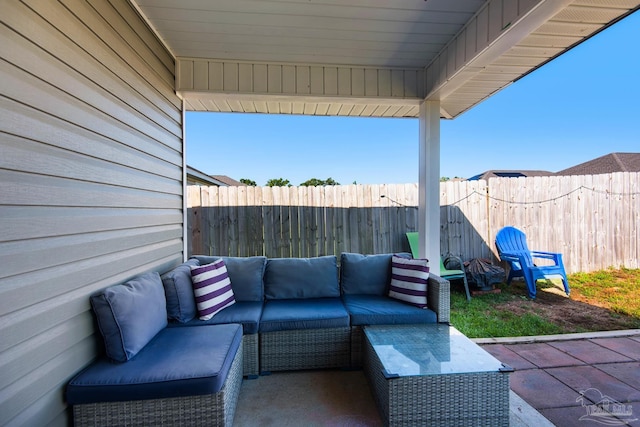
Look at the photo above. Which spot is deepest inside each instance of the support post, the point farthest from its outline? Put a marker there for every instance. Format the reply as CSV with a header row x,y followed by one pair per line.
x,y
429,184
185,231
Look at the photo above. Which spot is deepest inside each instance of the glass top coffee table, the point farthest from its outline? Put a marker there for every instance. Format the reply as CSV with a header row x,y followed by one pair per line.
x,y
434,375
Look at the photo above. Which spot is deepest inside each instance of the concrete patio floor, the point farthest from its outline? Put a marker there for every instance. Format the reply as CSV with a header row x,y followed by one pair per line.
x,y
569,378
550,372
330,398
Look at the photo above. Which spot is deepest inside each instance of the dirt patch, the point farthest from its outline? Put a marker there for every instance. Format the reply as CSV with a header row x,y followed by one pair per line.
x,y
570,314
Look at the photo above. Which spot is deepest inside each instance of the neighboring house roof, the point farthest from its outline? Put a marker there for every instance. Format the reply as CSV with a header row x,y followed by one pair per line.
x,y
227,181
509,174
196,177
609,163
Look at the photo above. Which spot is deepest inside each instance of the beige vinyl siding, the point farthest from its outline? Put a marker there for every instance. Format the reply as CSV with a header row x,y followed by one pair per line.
x,y
91,192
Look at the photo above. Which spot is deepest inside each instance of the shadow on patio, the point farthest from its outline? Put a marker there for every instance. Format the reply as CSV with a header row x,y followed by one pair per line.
x,y
549,376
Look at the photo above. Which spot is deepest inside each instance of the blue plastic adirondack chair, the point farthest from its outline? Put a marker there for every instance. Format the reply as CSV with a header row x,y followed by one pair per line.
x,y
412,237
512,248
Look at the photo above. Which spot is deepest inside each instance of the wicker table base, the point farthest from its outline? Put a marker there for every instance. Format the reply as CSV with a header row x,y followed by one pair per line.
x,y
479,397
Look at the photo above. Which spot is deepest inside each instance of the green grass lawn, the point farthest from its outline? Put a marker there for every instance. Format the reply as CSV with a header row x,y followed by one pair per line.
x,y
599,301
617,290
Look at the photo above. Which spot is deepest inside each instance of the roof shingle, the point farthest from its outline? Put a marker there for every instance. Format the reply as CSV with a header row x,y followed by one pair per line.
x,y
609,163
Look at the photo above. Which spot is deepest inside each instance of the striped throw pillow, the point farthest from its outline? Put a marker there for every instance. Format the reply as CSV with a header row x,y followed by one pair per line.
x,y
211,288
409,278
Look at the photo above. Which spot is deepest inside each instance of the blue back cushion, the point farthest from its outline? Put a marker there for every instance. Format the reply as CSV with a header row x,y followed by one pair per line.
x,y
365,274
295,278
178,288
130,315
246,275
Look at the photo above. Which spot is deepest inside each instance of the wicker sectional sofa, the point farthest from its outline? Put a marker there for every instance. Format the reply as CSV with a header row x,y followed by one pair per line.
x,y
289,313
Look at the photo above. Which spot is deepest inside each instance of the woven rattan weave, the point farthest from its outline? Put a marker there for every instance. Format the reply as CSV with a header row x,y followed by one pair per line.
x,y
251,366
305,349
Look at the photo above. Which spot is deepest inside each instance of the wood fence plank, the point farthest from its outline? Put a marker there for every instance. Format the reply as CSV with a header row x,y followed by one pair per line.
x,y
396,236
294,217
383,229
364,219
276,201
319,204
259,222
340,220
412,213
305,222
378,243
285,221
352,223
634,215
194,212
456,220
572,203
314,238
329,217
394,212
588,231
250,220
270,217
211,221
224,222
284,234
242,209
234,220
205,224
615,222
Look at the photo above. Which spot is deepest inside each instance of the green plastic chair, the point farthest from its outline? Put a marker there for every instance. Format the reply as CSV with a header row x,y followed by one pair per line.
x,y
445,273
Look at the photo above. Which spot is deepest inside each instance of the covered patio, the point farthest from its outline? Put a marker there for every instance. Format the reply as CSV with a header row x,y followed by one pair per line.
x,y
93,149
413,59
558,380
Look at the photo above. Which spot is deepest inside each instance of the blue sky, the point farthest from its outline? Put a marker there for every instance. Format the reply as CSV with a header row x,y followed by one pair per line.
x,y
582,105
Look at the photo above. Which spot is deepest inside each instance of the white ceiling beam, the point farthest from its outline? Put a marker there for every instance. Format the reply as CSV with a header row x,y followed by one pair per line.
x,y
282,79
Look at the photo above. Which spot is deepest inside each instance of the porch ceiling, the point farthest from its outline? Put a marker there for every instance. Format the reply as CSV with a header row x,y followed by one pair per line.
x,y
364,57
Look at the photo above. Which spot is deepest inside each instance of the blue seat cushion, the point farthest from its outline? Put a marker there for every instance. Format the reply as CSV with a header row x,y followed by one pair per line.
x,y
382,310
246,313
293,278
245,273
315,313
177,362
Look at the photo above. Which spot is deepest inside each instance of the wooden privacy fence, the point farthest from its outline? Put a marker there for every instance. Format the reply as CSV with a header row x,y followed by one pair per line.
x,y
593,220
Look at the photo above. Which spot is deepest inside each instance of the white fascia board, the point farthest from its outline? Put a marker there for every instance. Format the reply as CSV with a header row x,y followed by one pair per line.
x,y
509,37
